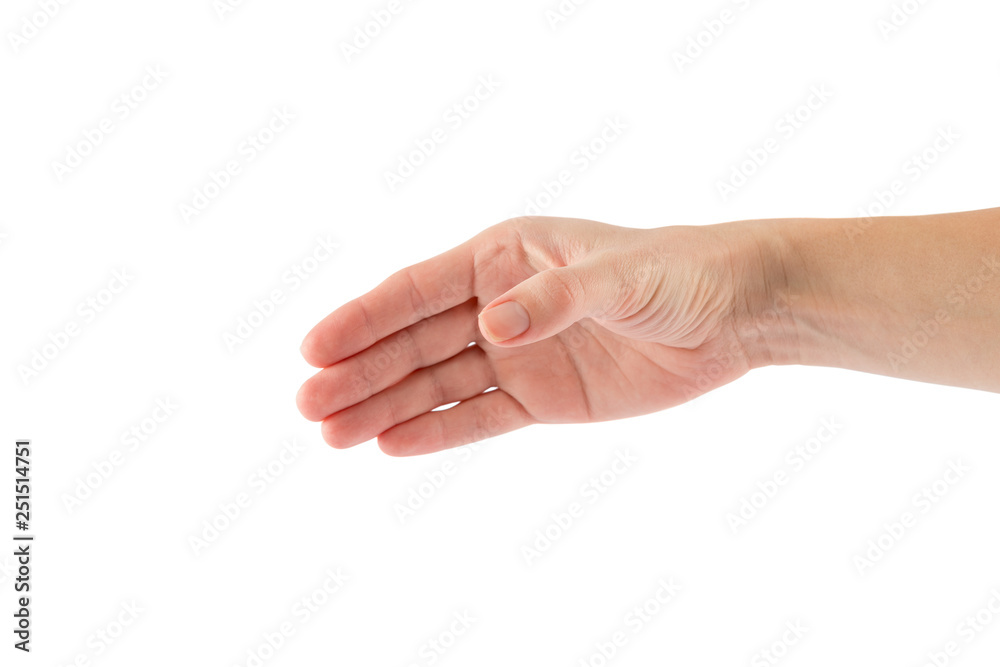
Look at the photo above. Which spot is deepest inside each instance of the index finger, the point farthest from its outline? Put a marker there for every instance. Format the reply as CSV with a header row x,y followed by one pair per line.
x,y
404,298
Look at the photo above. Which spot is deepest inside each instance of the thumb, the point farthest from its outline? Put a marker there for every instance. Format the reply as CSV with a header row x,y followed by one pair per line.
x,y
547,303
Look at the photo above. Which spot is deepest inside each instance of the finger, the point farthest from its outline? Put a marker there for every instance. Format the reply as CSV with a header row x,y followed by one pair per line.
x,y
478,418
549,302
382,365
465,375
404,298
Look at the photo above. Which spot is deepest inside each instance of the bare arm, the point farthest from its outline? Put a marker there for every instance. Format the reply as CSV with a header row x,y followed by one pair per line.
x,y
911,297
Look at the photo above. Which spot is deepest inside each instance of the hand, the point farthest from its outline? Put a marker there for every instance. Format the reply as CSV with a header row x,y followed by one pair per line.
x,y
571,320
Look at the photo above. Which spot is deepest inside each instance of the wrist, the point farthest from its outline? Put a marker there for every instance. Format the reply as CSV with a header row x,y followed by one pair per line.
x,y
770,292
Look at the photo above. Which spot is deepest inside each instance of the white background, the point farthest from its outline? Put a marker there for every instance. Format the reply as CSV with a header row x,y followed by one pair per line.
x,y
323,176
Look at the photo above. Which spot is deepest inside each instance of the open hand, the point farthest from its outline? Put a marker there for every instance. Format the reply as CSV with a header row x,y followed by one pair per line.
x,y
540,320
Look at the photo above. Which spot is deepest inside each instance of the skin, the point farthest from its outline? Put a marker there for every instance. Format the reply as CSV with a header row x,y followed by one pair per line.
x,y
623,322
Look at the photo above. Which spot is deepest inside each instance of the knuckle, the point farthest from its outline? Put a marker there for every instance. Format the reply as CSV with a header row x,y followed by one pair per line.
x,y
435,388
564,287
522,226
411,349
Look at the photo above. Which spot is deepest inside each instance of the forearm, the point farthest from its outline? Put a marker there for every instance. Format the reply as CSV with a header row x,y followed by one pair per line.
x,y
911,297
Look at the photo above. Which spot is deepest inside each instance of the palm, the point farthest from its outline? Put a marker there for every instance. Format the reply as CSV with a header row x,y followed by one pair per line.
x,y
591,373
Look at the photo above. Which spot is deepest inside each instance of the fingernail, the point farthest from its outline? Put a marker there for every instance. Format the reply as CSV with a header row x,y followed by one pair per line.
x,y
505,321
